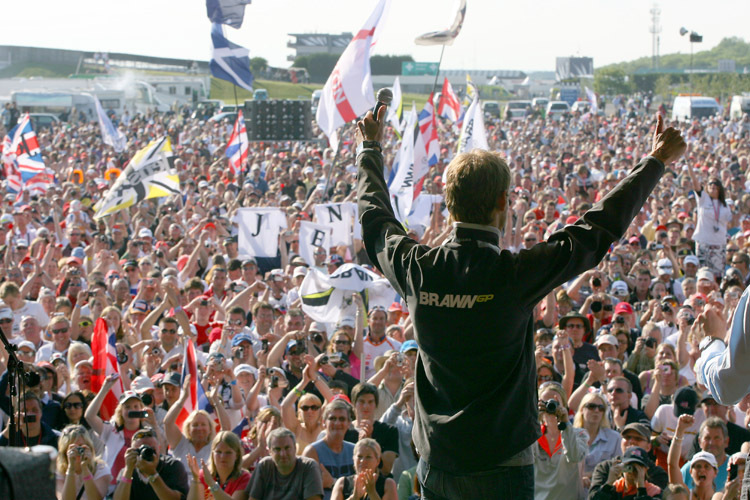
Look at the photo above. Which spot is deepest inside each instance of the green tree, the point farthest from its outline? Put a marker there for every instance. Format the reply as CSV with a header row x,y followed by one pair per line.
x,y
319,66
258,65
611,81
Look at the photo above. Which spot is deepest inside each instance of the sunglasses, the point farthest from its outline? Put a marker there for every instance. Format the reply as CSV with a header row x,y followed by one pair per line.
x,y
61,330
309,407
84,324
68,406
616,390
342,342
235,322
6,321
594,406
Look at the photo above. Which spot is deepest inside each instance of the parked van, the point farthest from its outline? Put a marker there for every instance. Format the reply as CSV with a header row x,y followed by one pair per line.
x,y
555,109
739,106
687,107
517,109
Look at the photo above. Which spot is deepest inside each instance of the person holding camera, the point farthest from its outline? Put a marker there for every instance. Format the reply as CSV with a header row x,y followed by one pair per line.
x,y
628,479
560,450
79,470
149,475
31,430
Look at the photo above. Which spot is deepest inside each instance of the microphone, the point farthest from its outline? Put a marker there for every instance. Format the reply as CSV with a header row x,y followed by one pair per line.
x,y
385,96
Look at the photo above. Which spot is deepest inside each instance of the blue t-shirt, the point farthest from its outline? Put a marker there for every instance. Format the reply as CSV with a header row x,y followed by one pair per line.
x,y
719,482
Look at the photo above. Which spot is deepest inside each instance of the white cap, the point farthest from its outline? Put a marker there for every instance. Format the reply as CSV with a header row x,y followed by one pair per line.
x,y
664,266
692,259
317,326
704,274
245,368
346,321
141,384
299,271
28,344
705,456
619,286
145,233
607,339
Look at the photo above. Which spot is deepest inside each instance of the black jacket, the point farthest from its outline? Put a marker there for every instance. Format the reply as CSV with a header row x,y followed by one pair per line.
x,y
472,306
600,490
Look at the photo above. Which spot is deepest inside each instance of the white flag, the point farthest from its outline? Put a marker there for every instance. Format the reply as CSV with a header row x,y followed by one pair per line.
x,y
311,237
340,217
327,298
348,92
110,135
259,230
421,210
592,99
402,186
396,108
473,134
446,36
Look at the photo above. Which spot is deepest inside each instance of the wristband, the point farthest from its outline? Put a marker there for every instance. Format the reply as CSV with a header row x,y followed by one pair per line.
x,y
677,439
233,382
177,309
153,478
298,392
88,478
128,480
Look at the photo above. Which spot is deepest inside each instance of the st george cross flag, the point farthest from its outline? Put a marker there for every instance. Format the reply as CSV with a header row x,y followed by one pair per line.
x,y
473,134
311,237
110,135
21,150
196,399
148,175
103,347
259,230
327,298
229,12
395,110
450,106
340,218
348,92
230,61
237,147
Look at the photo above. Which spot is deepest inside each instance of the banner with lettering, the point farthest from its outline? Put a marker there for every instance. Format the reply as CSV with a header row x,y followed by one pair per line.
x,y
340,218
312,237
259,230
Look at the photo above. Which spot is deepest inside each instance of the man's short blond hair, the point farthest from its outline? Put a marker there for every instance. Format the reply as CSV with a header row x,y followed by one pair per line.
x,y
474,183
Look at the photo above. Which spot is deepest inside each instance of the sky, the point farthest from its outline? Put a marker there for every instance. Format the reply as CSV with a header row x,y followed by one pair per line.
x,y
497,34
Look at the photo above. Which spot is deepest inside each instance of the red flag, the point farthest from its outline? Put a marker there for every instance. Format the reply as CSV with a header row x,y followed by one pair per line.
x,y
197,399
103,346
449,106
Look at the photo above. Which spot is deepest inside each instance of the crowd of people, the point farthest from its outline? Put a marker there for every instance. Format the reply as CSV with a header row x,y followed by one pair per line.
x,y
304,409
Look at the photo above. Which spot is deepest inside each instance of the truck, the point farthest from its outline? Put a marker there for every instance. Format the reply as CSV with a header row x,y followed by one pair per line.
x,y
688,107
739,106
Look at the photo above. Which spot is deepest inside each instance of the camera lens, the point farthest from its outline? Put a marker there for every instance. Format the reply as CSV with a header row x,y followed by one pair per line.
x,y
551,406
147,399
596,306
317,337
147,453
596,282
665,308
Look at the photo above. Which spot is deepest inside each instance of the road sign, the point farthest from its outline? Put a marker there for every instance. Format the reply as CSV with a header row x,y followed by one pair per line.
x,y
419,68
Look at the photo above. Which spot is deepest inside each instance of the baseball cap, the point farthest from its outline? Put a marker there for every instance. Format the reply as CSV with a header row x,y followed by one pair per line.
x,y
335,259
345,321
141,384
706,457
685,401
145,233
409,345
245,368
202,184
637,455
58,356
130,263
30,345
704,274
638,427
606,339
172,378
396,306
692,259
129,395
299,271
140,306
623,308
664,266
242,337
619,287
317,326
292,344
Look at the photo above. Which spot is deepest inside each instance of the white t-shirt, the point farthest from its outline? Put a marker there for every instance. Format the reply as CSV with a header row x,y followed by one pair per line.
x,y
665,421
707,221
30,308
372,351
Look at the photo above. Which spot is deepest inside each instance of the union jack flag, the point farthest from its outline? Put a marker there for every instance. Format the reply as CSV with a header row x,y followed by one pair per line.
x,y
197,399
428,132
104,349
22,158
237,147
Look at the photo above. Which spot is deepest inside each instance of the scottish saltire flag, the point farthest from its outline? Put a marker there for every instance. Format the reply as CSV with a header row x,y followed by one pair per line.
x,y
197,399
21,149
110,135
103,347
450,106
229,12
230,61
237,147
348,91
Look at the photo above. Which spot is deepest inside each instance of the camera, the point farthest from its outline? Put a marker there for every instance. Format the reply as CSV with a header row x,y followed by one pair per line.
x,y
665,307
400,359
733,471
551,406
596,306
147,453
137,414
28,419
81,450
620,320
264,344
650,342
317,337
596,282
323,360
122,357
274,381
147,399
629,469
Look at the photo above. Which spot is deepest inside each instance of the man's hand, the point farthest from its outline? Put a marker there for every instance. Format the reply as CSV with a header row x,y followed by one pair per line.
x,y
368,129
668,145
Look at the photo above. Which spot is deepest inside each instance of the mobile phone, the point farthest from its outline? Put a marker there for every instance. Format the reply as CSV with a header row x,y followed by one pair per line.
x,y
264,344
733,471
137,414
29,419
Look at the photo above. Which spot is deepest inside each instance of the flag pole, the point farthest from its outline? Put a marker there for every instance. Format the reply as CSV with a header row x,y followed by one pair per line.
x,y
437,73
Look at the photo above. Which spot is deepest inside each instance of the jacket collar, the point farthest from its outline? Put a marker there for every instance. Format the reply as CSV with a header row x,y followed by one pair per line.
x,y
463,231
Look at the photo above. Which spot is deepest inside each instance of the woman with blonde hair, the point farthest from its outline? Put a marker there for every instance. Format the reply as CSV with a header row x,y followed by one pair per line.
x,y
366,483
113,316
604,442
80,473
198,429
223,478
307,424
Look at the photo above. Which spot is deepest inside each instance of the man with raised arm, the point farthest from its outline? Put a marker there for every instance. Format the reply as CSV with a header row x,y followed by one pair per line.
x,y
470,289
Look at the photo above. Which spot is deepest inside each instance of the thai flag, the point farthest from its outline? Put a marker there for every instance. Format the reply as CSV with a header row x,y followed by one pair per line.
x,y
428,132
103,346
450,106
237,147
197,399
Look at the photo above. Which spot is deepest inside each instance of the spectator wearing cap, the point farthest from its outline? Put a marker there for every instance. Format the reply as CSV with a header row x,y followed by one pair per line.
x,y
665,275
170,384
247,378
668,322
249,270
714,216
635,436
243,347
690,265
318,338
623,319
705,281
395,313
292,347
666,418
577,326
59,328
117,432
703,467
377,342
713,438
11,296
278,298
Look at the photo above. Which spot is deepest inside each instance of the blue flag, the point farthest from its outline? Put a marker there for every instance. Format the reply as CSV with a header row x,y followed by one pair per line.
x,y
230,12
230,61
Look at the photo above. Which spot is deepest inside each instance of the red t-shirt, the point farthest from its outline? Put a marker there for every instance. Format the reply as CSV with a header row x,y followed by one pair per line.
x,y
203,331
120,460
238,483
